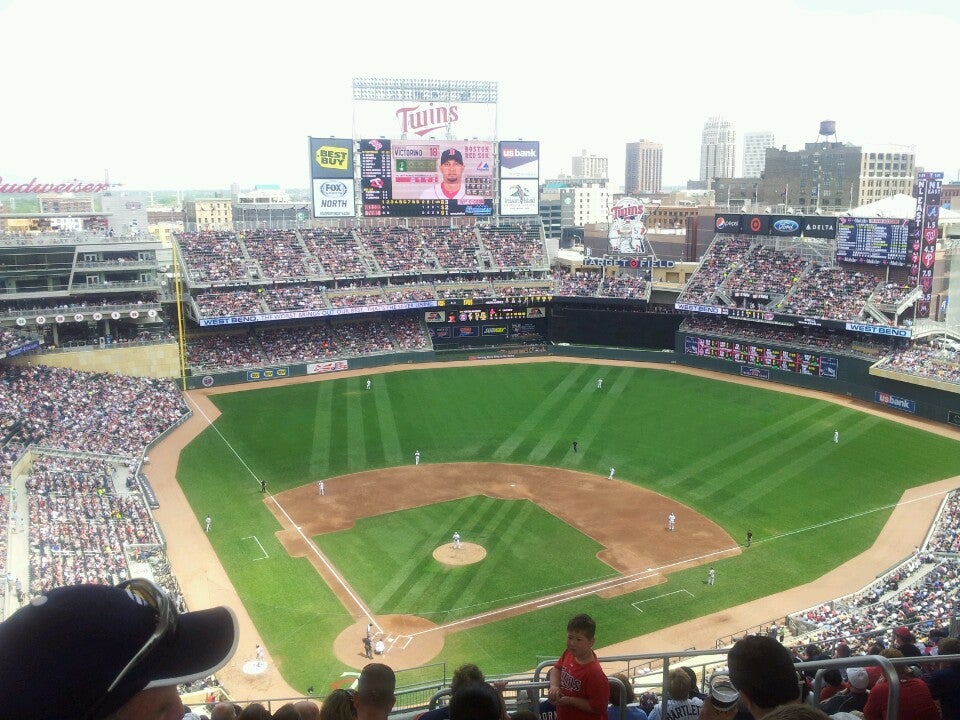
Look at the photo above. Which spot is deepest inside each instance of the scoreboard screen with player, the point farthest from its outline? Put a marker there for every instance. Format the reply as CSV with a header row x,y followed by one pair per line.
x,y
406,178
761,356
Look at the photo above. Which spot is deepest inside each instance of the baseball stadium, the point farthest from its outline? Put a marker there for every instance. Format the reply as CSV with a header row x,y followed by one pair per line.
x,y
419,431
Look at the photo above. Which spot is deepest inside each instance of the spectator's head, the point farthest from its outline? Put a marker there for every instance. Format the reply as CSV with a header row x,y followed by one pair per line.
x,y
584,625
223,711
308,710
811,651
475,701
254,711
465,674
694,681
375,691
903,636
142,646
763,671
286,712
678,683
832,677
617,690
948,646
842,650
859,679
338,705
647,701
894,653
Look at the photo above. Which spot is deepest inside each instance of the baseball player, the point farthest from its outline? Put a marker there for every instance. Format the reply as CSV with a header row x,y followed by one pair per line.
x,y
368,384
836,436
416,458
612,470
321,490
456,541
711,576
208,522
599,383
671,521
450,186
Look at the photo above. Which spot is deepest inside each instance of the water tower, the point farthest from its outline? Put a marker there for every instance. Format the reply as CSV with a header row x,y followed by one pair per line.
x,y
828,131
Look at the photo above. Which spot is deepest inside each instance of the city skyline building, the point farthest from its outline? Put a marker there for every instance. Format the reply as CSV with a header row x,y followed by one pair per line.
x,y
643,170
755,146
718,146
590,166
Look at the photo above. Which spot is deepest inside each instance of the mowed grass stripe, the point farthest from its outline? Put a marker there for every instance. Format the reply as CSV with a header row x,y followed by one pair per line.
x,y
534,420
802,465
598,452
387,423
564,425
722,456
766,459
356,436
319,463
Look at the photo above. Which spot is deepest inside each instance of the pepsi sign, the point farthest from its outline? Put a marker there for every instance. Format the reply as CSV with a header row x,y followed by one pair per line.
x,y
727,223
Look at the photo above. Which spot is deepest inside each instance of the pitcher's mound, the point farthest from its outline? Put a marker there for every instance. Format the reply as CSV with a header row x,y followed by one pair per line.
x,y
466,554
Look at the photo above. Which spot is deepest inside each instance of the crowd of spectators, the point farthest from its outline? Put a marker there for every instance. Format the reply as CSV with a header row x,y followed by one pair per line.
x,y
831,292
514,246
294,297
891,294
580,283
723,254
924,361
280,254
945,537
94,412
324,340
78,524
813,338
11,340
226,304
920,593
765,270
213,256
337,252
625,286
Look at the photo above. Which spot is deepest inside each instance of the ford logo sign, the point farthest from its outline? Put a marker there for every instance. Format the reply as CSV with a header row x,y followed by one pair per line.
x,y
786,226
333,189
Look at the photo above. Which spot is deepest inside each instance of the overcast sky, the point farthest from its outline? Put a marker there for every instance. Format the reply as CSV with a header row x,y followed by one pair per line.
x,y
178,94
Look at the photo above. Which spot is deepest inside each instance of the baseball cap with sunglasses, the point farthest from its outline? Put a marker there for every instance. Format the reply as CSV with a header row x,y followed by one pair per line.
x,y
84,651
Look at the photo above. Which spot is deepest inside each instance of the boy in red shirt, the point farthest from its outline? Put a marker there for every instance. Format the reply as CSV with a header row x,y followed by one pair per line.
x,y
578,685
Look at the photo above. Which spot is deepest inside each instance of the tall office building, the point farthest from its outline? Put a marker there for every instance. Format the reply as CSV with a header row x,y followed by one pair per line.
x,y
755,146
718,148
590,166
644,168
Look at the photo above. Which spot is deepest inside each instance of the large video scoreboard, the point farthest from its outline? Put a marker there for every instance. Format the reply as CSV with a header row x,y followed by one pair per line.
x,y
401,178
488,323
873,241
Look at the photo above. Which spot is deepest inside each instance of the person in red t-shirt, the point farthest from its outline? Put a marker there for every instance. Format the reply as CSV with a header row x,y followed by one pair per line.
x,y
916,702
578,685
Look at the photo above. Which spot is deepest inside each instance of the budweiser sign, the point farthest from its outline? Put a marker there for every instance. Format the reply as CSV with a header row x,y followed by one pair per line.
x,y
36,188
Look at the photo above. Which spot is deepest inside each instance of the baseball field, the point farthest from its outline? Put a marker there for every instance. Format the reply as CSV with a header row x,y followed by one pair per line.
x,y
545,533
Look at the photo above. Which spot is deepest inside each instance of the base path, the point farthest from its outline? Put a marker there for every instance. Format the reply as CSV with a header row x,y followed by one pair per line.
x,y
204,582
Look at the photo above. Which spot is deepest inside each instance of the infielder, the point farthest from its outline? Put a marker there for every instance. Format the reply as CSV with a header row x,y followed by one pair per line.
x,y
671,521
456,541
321,490
208,522
612,470
711,576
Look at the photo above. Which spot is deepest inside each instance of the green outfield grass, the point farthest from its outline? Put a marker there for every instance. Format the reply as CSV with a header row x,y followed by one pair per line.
x,y
746,457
